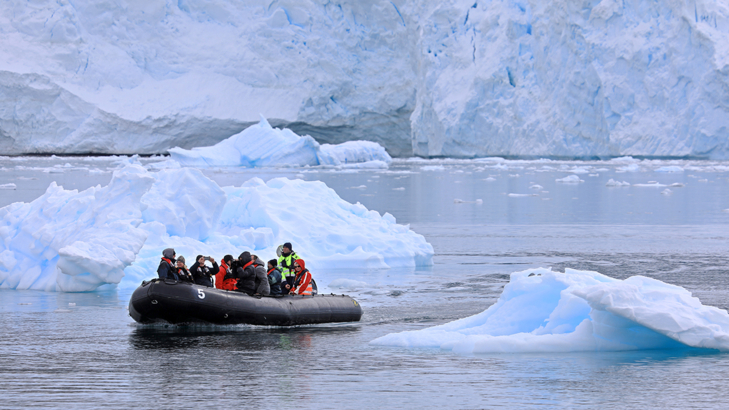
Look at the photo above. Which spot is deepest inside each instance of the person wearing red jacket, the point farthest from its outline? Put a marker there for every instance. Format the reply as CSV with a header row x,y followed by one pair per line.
x,y
303,283
220,280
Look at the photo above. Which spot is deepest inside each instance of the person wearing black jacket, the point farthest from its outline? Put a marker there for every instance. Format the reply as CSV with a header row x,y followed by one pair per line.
x,y
246,274
201,273
182,272
167,268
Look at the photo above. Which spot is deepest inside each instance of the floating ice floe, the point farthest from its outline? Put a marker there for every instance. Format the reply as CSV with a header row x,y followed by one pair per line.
x,y
461,201
77,241
579,170
536,186
520,195
650,184
261,145
432,168
8,186
572,179
613,182
671,168
628,168
666,192
545,311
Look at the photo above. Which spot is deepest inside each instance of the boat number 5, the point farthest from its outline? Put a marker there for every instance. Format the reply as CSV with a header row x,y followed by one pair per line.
x,y
201,294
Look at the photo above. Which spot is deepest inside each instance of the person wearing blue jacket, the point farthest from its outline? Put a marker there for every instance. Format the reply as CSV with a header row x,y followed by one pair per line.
x,y
274,278
167,268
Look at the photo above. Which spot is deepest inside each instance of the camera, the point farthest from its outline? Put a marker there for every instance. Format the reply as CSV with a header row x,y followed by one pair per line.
x,y
207,258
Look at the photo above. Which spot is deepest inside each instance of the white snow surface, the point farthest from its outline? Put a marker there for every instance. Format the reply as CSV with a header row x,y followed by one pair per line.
x,y
264,146
439,78
77,241
541,310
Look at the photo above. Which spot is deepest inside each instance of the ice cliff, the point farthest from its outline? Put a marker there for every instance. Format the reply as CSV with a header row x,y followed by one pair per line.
x,y
433,78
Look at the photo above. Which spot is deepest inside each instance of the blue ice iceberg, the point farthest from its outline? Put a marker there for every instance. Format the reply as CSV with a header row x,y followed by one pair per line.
x,y
264,146
545,311
77,241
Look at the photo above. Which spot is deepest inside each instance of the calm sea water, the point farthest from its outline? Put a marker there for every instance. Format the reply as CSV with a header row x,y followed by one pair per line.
x,y
82,350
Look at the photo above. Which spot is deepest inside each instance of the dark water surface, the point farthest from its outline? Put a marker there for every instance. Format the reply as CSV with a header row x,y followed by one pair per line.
x,y
82,350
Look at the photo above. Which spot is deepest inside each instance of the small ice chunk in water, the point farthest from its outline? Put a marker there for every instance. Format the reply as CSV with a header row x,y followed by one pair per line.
x,y
520,195
572,179
8,186
671,168
666,192
613,182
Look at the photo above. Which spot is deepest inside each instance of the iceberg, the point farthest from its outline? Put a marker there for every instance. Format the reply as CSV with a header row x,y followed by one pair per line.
x,y
264,146
541,310
74,241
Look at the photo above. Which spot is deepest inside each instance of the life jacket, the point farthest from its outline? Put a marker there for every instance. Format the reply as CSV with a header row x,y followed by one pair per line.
x,y
302,283
184,275
172,269
221,282
286,263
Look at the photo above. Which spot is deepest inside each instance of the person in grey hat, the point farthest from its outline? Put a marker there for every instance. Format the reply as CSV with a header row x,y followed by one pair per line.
x,y
167,268
182,271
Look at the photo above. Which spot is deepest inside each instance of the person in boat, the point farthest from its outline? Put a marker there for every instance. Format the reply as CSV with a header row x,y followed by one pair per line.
x,y
262,286
167,266
245,273
225,278
202,273
286,263
274,277
303,283
182,272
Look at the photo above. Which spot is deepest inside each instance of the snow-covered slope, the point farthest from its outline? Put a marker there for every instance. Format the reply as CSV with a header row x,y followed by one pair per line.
x,y
434,78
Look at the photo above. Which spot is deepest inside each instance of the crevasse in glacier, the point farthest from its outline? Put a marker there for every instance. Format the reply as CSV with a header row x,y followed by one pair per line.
x,y
434,78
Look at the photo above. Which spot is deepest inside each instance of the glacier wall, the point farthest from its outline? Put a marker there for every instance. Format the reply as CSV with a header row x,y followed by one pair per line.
x,y
454,78
579,78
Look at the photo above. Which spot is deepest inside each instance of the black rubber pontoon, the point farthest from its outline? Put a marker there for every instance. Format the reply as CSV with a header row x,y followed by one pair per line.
x,y
182,302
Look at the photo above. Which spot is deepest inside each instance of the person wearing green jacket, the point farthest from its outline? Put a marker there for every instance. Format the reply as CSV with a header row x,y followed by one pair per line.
x,y
286,263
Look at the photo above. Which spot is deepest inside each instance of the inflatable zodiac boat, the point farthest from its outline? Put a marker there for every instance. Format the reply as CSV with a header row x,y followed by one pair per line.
x,y
181,302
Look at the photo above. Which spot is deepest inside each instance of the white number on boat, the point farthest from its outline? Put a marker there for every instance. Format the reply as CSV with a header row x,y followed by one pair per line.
x,y
201,294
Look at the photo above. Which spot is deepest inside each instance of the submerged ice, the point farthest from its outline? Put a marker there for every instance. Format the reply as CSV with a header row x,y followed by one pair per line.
x,y
541,310
77,241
